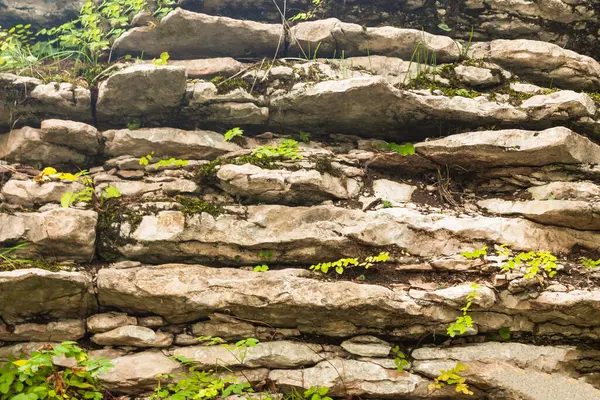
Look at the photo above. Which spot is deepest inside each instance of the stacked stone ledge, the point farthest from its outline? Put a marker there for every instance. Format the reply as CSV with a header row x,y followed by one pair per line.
x,y
528,179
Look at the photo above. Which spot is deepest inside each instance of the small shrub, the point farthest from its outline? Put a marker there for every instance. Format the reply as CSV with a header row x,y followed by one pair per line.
x,y
344,263
287,150
400,360
534,262
40,378
317,393
232,134
162,60
261,268
504,333
589,263
452,377
387,204
465,321
478,253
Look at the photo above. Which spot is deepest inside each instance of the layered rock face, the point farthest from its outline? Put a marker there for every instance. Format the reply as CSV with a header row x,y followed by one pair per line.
x,y
490,211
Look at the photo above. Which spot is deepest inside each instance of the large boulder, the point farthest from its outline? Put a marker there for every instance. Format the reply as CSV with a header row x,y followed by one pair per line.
x,y
370,106
184,34
45,294
513,147
331,37
582,215
73,329
28,193
131,335
306,233
27,145
282,186
167,142
27,100
281,354
545,63
138,373
61,233
141,92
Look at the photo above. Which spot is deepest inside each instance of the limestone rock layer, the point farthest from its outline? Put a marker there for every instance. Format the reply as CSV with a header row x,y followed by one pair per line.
x,y
452,173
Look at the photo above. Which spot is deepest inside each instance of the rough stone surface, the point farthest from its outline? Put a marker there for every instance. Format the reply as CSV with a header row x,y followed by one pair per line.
x,y
30,192
392,191
136,373
178,34
564,191
511,147
59,331
26,145
167,142
146,92
108,321
367,346
131,335
282,354
62,233
573,214
287,187
57,295
77,135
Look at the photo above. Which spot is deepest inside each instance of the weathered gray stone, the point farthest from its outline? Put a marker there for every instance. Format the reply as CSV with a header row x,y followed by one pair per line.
x,y
393,192
281,354
367,346
29,192
178,35
28,101
167,142
16,350
57,295
582,215
147,92
353,378
59,331
308,232
283,186
63,233
370,105
230,329
153,321
77,135
564,191
137,373
27,146
541,358
136,188
209,68
132,335
476,76
545,62
109,321
511,147
333,36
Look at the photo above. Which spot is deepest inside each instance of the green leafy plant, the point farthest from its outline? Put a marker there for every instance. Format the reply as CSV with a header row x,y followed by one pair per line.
x,y
387,204
504,333
145,160
7,260
304,16
464,321
534,262
400,360
589,263
304,137
286,150
266,254
405,149
133,124
452,377
344,263
261,268
39,378
478,253
317,393
88,193
15,48
232,134
198,385
162,60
